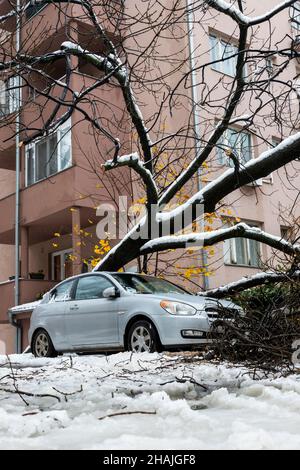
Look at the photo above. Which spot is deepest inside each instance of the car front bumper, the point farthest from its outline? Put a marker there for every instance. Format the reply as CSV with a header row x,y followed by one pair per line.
x,y
171,328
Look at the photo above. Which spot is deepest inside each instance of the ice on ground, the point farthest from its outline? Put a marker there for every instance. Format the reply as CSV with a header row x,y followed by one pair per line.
x,y
197,405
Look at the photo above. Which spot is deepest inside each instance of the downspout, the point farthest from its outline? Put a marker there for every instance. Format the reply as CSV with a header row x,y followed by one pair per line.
x,y
17,207
196,119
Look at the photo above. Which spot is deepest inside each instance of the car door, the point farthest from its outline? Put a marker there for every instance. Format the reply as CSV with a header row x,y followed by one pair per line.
x,y
54,311
92,320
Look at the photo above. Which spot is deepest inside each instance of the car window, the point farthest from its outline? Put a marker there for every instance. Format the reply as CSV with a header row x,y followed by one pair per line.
x,y
91,287
62,292
138,284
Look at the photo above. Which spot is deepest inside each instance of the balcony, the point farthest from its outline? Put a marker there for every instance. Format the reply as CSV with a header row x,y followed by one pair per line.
x,y
42,22
45,206
36,111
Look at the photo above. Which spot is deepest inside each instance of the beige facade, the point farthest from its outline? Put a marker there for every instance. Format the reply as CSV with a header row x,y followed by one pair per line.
x,y
65,202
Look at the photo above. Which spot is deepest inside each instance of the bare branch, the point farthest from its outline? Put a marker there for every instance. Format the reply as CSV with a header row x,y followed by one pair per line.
x,y
133,161
256,280
217,236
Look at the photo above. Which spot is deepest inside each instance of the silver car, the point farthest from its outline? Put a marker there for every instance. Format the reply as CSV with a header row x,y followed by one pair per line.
x,y
117,311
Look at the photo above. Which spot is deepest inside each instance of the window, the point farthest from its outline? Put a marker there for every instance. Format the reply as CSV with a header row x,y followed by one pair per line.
x,y
295,16
49,155
296,84
264,67
91,287
224,52
33,9
242,252
274,142
140,284
239,142
9,95
63,292
285,233
269,66
289,234
61,265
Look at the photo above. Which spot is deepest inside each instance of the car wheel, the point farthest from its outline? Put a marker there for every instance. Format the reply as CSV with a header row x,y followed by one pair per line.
x,y
142,337
42,345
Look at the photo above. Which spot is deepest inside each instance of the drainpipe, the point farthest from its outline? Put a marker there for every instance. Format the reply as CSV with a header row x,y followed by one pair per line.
x,y
17,207
196,118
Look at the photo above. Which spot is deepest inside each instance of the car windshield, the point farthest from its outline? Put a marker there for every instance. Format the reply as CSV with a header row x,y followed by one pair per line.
x,y
138,284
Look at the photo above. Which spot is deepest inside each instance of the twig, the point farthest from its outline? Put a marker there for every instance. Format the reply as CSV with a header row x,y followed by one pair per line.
x,y
68,394
29,394
124,413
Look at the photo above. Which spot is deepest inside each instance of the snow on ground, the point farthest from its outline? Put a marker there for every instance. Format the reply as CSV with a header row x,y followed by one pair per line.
x,y
197,405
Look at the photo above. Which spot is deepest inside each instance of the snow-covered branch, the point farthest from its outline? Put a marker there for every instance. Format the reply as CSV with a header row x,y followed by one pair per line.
x,y
237,92
211,238
236,14
133,161
230,10
245,283
112,64
261,167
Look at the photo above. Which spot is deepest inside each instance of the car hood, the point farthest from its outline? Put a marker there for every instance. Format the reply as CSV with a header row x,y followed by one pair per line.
x,y
200,303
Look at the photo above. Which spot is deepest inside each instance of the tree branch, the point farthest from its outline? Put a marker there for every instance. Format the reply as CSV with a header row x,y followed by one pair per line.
x,y
211,238
245,283
133,161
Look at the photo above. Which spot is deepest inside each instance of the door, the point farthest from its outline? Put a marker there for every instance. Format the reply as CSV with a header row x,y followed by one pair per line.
x,y
61,265
91,320
54,312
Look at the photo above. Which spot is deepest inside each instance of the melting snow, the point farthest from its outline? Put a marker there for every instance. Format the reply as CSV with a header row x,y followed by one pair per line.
x,y
230,412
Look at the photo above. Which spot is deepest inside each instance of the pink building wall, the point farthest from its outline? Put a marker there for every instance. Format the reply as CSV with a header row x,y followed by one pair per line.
x,y
7,187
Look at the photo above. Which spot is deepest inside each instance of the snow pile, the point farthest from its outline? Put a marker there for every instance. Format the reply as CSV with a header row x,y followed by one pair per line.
x,y
159,402
25,307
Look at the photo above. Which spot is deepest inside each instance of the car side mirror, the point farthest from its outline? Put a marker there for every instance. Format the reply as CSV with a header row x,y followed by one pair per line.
x,y
111,293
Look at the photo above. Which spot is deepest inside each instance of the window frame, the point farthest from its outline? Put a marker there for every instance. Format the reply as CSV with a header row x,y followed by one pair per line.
x,y
89,276
10,91
60,253
38,7
218,46
274,142
71,292
63,132
223,160
295,14
231,252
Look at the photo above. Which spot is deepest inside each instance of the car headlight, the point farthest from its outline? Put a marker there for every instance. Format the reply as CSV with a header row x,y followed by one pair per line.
x,y
177,308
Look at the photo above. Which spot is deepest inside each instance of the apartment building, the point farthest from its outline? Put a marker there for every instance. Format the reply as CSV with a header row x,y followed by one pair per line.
x,y
264,203
59,185
59,196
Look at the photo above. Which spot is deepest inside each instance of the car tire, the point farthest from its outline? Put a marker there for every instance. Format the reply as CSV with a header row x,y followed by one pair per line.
x,y
42,345
143,337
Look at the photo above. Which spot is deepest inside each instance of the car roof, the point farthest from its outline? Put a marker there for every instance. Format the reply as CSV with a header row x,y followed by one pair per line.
x,y
78,276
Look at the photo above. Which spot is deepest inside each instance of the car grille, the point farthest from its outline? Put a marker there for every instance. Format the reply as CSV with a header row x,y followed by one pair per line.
x,y
221,314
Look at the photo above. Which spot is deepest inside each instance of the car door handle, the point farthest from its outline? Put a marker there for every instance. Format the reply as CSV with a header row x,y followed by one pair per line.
x,y
74,308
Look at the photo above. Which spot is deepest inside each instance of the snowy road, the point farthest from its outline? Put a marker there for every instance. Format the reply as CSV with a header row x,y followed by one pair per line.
x,y
197,405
